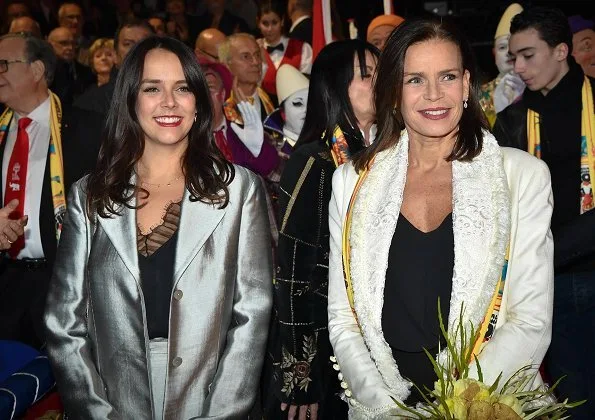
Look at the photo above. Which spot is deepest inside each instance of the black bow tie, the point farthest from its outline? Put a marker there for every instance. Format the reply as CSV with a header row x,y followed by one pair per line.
x,y
279,47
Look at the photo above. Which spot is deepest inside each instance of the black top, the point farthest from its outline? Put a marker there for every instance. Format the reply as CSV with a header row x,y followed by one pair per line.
x,y
420,270
157,273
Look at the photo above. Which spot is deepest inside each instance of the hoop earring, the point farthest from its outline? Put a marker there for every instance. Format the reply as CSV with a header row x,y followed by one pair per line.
x,y
465,104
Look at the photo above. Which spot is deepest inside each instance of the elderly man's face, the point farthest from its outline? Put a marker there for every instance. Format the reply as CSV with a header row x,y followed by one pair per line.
x,y
63,44
21,79
25,24
245,61
72,18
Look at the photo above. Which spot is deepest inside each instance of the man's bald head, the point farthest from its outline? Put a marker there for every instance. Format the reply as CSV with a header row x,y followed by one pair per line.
x,y
63,43
25,24
207,44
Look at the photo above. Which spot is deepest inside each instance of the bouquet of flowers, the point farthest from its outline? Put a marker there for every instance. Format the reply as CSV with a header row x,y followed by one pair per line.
x,y
457,397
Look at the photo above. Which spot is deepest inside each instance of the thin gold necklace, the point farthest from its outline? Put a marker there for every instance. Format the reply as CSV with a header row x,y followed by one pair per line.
x,y
168,184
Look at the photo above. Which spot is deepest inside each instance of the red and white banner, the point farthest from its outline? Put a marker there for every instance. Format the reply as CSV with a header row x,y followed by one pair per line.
x,y
322,29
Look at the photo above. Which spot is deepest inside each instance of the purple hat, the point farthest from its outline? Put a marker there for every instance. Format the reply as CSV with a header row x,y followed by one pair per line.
x,y
578,23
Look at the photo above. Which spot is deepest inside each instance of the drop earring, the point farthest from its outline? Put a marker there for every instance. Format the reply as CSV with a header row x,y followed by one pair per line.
x,y
465,104
196,113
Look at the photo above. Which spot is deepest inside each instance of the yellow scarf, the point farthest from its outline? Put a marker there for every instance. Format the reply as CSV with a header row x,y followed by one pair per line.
x,y
587,144
56,160
231,111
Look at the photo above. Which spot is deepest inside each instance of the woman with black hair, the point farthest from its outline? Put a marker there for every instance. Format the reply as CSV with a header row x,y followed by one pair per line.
x,y
339,122
161,293
435,210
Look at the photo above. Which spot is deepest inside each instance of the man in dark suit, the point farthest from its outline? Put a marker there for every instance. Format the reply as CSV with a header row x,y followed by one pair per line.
x,y
300,14
71,78
32,173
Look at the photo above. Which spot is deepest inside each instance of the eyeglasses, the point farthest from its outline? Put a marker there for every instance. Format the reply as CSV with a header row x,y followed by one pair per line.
x,y
4,64
214,57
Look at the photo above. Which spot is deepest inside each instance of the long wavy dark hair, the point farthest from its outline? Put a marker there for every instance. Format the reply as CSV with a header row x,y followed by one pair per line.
x,y
388,89
328,96
207,173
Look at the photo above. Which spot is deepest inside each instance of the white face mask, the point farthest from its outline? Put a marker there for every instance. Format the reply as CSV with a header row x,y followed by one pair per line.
x,y
501,54
294,108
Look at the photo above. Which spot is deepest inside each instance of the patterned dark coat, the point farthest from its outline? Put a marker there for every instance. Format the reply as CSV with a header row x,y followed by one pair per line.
x,y
298,369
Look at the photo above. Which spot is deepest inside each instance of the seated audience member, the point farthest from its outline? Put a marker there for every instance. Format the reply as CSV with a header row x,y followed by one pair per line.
x,y
158,25
243,57
25,24
217,17
102,57
380,29
255,153
71,78
277,48
583,41
207,44
70,16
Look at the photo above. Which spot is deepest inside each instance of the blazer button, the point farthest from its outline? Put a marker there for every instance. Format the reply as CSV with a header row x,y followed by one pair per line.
x,y
178,294
176,362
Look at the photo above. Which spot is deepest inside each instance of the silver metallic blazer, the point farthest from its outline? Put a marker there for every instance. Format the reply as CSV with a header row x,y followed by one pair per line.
x,y
219,312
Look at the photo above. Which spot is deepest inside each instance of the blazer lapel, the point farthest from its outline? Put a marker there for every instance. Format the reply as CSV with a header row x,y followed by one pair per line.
x,y
121,231
197,223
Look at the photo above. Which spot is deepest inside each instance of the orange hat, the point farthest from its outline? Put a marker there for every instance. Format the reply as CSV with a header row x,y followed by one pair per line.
x,y
391,20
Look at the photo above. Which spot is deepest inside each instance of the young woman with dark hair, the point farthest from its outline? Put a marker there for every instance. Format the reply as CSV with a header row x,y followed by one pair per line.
x,y
299,378
278,49
434,210
161,294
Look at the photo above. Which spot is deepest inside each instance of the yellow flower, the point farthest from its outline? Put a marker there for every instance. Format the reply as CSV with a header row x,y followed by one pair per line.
x,y
482,395
456,406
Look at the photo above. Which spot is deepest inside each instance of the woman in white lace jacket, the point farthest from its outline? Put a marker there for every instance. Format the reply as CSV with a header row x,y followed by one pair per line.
x,y
432,208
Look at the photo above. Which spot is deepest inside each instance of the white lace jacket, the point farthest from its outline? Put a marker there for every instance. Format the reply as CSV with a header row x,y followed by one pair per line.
x,y
503,193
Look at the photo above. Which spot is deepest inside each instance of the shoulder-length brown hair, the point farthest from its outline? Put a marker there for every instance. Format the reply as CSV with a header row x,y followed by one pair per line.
x,y
388,89
207,173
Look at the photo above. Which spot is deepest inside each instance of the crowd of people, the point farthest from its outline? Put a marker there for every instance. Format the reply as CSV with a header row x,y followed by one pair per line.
x,y
204,217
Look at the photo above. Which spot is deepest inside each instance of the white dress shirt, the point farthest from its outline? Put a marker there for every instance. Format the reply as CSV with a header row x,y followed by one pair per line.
x,y
39,143
277,56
